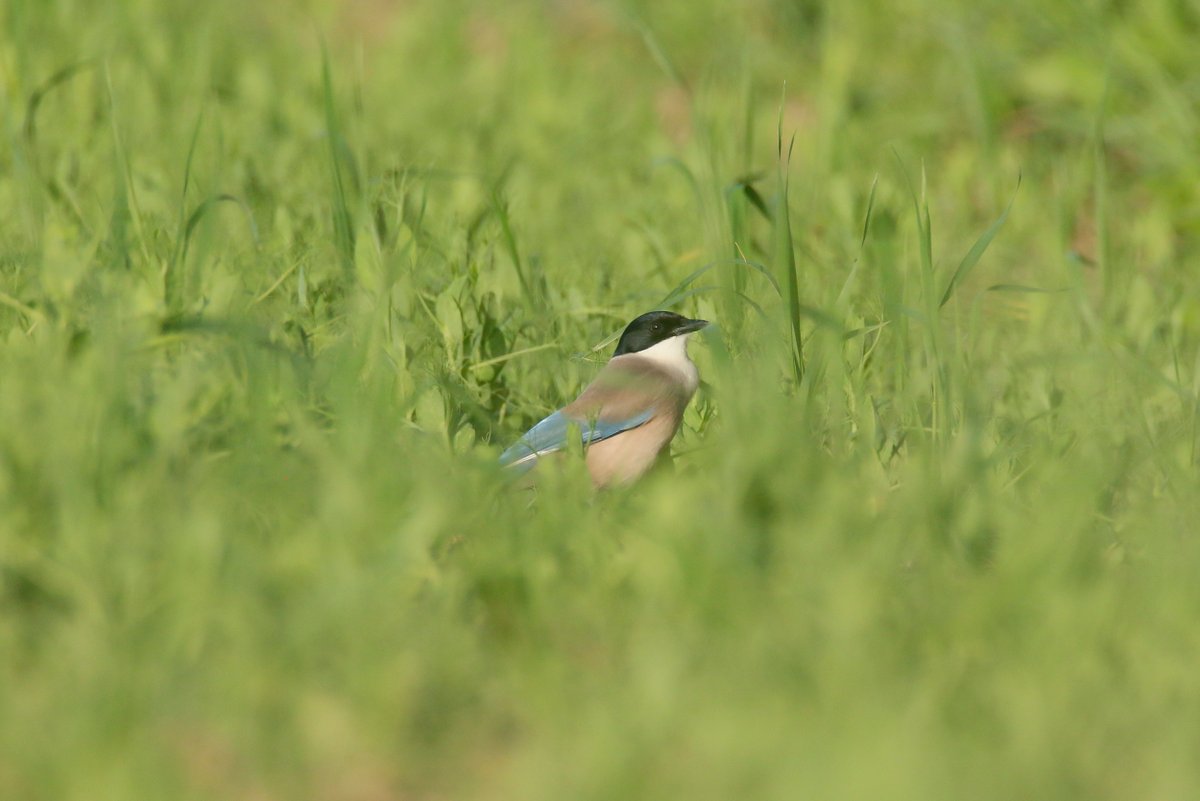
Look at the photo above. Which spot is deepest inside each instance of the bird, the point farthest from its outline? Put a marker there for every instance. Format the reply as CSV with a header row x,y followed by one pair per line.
x,y
629,414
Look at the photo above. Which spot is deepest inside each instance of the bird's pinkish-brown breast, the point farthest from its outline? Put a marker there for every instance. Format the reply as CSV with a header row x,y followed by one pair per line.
x,y
630,386
626,457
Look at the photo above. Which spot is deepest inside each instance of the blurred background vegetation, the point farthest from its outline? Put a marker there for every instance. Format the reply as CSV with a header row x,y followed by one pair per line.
x,y
279,280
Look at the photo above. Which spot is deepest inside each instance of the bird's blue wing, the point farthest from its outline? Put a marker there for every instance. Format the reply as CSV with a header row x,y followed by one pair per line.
x,y
551,435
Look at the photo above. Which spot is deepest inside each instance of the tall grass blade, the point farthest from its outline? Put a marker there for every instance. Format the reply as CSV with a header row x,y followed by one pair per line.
x,y
343,219
207,205
173,280
500,209
973,255
1100,194
785,251
29,129
659,54
862,244
38,95
745,186
127,193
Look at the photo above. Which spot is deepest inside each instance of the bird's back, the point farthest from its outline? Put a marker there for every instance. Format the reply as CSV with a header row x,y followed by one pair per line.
x,y
628,386
626,417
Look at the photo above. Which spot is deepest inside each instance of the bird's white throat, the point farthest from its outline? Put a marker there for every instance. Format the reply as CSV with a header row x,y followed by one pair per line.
x,y
672,354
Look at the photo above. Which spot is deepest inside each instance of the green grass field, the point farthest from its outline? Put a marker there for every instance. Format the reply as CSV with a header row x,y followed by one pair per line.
x,y
279,281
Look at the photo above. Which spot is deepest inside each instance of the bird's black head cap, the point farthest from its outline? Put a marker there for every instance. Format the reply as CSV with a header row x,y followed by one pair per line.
x,y
653,327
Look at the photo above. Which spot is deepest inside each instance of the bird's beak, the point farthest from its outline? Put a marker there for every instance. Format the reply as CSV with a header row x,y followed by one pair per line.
x,y
689,326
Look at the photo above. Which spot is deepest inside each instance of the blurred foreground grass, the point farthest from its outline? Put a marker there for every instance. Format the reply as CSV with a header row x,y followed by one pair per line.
x,y
269,308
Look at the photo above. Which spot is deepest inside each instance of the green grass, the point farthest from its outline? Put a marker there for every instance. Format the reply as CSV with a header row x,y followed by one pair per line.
x,y
278,281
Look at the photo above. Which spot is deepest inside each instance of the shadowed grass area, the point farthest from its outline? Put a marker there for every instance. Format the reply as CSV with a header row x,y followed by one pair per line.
x,y
278,282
